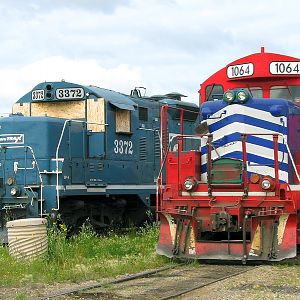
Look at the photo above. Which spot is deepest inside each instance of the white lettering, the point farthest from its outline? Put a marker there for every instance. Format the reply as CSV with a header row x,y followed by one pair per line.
x,y
123,147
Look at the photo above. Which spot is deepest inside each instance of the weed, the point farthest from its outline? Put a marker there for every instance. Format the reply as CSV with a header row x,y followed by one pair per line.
x,y
85,256
21,296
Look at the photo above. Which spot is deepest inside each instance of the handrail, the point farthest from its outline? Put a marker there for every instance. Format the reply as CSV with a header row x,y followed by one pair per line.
x,y
165,136
291,157
287,147
56,155
199,136
244,152
164,120
37,166
194,136
163,161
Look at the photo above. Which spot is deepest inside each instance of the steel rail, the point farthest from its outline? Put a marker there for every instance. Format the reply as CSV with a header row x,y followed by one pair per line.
x,y
202,285
115,281
142,275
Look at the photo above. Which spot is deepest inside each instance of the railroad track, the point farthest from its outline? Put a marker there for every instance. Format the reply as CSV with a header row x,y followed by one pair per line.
x,y
163,283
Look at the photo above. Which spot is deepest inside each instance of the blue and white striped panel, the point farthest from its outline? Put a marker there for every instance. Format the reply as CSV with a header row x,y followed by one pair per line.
x,y
226,126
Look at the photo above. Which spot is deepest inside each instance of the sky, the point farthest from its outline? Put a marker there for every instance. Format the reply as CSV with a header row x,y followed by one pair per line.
x,y
165,46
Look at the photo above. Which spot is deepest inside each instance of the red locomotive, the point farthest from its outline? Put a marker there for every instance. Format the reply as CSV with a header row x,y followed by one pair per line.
x,y
231,191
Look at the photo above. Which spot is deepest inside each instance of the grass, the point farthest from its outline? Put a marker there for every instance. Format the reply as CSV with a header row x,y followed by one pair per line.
x,y
85,256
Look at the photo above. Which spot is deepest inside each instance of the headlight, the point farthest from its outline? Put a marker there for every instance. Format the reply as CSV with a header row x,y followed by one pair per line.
x,y
268,183
229,96
265,184
189,183
15,191
242,96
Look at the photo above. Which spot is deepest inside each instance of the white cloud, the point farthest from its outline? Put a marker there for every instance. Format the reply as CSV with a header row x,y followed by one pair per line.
x,y
170,45
16,82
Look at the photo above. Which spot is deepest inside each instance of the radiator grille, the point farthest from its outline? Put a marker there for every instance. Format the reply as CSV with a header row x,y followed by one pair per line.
x,y
156,146
143,148
91,167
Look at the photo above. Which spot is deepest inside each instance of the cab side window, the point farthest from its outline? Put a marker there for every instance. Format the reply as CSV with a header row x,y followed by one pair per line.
x,y
214,92
143,114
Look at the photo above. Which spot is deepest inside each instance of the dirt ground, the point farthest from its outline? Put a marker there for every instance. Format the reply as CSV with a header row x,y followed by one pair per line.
x,y
264,282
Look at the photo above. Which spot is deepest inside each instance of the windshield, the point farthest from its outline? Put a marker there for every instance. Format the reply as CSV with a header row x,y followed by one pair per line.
x,y
290,92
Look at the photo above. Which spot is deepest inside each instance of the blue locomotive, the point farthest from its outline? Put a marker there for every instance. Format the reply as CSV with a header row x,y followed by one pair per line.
x,y
83,152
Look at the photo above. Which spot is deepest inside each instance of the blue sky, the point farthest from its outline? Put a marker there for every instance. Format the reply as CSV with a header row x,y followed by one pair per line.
x,y
166,46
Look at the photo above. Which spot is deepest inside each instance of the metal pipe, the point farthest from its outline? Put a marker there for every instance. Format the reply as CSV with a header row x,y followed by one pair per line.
x,y
244,158
275,139
287,147
181,128
179,141
25,150
228,241
69,141
158,183
56,160
198,136
163,112
291,157
245,256
209,166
